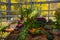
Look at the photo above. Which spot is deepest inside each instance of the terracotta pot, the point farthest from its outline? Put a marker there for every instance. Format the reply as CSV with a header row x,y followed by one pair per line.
x,y
43,37
16,31
29,37
56,32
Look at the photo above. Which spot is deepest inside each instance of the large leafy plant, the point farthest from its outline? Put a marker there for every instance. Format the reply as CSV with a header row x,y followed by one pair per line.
x,y
31,22
27,13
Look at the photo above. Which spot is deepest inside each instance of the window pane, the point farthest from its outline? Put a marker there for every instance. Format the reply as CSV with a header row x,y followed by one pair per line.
x,y
54,6
44,6
3,7
53,18
57,5
26,0
14,7
44,13
26,6
52,13
3,0
4,13
15,13
4,19
14,1
36,5
36,0
43,0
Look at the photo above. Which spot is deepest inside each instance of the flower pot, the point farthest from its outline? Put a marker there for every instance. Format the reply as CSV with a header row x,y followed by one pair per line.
x,y
29,37
56,32
43,37
16,32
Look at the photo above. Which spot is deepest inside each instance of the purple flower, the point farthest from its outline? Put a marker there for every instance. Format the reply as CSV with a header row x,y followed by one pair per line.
x,y
19,20
41,19
20,25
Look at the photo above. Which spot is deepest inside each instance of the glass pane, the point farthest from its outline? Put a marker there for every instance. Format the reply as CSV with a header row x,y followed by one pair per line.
x,y
15,13
3,7
36,0
24,6
36,5
4,13
4,19
44,13
44,6
3,0
28,6
4,24
57,5
43,0
52,18
26,0
14,1
54,6
14,7
52,13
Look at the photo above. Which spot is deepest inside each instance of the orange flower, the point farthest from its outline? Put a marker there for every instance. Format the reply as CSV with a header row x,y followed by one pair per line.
x,y
32,30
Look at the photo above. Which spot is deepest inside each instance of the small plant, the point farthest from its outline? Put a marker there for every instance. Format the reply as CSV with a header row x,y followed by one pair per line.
x,y
41,21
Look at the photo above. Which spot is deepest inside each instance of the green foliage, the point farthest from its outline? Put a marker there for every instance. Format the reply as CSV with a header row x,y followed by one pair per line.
x,y
41,21
49,36
54,26
57,14
50,22
25,12
37,31
2,28
23,34
29,23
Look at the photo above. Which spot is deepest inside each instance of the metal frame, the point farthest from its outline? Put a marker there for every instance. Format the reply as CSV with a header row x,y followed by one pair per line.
x,y
20,3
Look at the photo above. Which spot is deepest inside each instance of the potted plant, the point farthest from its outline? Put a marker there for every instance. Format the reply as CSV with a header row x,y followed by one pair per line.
x,y
25,12
41,21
